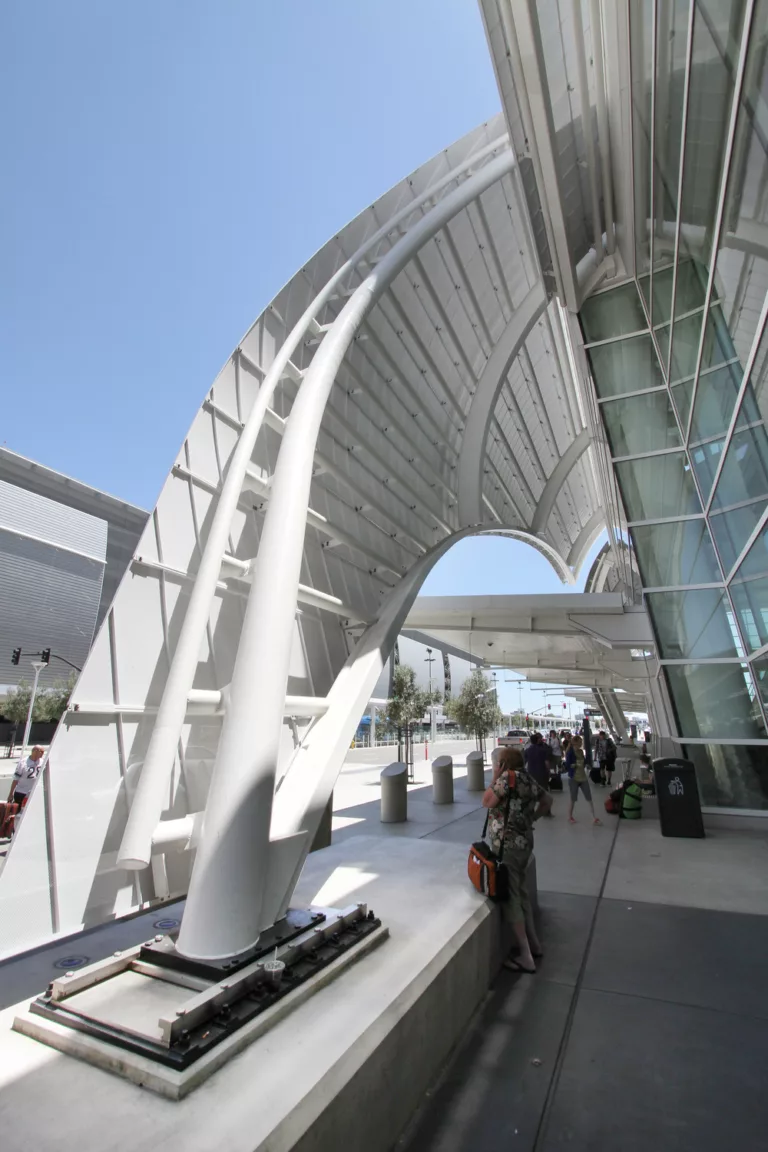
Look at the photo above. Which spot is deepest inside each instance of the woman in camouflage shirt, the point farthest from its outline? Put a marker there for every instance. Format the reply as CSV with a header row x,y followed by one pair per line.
x,y
515,801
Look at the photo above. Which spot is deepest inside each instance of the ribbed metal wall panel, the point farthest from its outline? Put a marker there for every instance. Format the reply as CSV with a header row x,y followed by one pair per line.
x,y
52,563
31,514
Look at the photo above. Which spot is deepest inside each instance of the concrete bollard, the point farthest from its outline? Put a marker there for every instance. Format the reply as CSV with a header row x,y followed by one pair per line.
x,y
394,794
475,772
442,780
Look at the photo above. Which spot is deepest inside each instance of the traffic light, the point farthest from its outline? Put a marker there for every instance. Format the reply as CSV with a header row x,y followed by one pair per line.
x,y
16,656
45,655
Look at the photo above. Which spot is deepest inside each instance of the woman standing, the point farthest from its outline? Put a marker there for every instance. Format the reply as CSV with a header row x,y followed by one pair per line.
x,y
515,801
557,750
577,777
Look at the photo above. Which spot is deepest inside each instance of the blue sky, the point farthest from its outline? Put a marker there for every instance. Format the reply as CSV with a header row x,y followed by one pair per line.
x,y
168,167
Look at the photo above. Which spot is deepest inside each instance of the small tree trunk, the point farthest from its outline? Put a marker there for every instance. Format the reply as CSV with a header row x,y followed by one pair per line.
x,y
400,744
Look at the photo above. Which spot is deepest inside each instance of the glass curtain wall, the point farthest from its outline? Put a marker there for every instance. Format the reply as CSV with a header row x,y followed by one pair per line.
x,y
679,357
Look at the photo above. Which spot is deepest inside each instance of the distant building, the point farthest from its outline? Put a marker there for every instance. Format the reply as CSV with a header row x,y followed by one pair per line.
x,y
64,547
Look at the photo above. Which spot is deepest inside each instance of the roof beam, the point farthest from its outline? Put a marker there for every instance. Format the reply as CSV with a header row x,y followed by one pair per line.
x,y
585,539
565,464
473,447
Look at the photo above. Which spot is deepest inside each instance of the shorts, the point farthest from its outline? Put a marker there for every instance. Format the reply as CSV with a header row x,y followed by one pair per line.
x,y
574,786
517,905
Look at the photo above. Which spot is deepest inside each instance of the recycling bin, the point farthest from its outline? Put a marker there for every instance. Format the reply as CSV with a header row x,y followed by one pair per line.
x,y
678,797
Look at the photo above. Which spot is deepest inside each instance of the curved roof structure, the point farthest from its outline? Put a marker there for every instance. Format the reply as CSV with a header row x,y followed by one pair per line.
x,y
448,408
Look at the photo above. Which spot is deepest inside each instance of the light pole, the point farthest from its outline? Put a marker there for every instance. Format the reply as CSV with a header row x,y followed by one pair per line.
x,y
430,659
38,666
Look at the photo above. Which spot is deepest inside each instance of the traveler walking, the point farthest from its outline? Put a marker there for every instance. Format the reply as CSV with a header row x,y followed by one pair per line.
x,y
538,758
515,801
538,761
577,778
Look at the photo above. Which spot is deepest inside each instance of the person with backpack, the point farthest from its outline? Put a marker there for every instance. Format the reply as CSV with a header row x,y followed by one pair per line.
x,y
576,764
514,802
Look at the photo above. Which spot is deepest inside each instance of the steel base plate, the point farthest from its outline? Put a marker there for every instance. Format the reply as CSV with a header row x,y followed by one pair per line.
x,y
316,952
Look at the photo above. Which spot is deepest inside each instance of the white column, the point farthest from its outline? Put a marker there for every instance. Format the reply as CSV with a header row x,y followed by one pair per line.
x,y
223,914
151,793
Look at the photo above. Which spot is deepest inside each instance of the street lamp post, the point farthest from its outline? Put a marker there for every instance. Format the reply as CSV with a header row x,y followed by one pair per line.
x,y
38,666
430,659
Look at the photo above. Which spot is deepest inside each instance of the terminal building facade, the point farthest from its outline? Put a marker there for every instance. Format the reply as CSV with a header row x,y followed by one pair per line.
x,y
553,329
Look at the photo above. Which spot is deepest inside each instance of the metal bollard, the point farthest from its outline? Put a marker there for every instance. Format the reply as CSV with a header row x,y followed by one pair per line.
x,y
442,780
475,772
394,794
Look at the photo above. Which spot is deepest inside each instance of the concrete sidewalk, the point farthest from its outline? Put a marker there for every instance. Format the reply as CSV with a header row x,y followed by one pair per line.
x,y
645,1026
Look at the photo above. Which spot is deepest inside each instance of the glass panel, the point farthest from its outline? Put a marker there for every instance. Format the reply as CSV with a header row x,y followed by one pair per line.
x,y
657,487
751,603
745,471
672,554
705,461
612,314
710,91
731,775
715,398
691,289
731,530
682,394
692,624
671,39
626,366
641,46
760,671
746,203
755,563
715,701
685,346
662,293
640,424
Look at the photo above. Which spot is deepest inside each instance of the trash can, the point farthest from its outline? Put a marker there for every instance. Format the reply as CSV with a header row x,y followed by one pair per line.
x,y
678,797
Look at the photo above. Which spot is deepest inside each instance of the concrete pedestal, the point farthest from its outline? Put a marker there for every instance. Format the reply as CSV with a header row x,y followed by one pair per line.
x,y
394,794
442,780
475,772
345,1070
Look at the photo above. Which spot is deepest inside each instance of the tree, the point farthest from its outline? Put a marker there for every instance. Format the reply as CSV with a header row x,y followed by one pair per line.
x,y
16,707
53,701
407,704
475,709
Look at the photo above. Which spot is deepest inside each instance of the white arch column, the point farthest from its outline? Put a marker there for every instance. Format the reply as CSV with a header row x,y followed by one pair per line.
x,y
236,865
148,800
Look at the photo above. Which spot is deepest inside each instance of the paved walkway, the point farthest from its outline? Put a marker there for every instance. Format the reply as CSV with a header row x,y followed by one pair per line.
x,y
646,1026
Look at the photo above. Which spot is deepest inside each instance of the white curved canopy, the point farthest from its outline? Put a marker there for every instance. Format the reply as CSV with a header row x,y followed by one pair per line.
x,y
450,409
